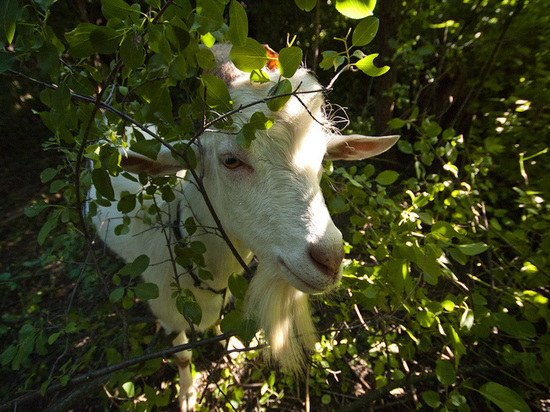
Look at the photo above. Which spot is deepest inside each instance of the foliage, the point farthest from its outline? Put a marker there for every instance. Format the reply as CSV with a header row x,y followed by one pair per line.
x,y
444,299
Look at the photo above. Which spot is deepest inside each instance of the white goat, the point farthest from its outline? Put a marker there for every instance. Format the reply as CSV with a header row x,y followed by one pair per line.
x,y
269,202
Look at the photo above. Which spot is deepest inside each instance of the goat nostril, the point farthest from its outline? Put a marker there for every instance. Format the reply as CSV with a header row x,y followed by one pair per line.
x,y
327,261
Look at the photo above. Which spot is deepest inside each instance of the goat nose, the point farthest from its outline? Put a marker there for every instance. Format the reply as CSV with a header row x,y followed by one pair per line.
x,y
327,260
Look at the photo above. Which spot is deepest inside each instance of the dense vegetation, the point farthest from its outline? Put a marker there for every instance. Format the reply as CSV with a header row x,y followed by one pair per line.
x,y
444,299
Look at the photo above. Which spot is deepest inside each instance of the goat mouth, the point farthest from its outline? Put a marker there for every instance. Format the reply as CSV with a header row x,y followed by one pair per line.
x,y
311,288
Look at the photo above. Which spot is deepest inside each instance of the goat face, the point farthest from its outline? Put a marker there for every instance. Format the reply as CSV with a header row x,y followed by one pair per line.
x,y
268,196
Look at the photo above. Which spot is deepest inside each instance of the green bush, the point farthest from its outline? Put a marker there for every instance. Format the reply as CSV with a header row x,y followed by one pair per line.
x,y
444,299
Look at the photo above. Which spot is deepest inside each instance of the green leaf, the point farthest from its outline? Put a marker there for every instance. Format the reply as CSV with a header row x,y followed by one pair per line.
x,y
205,59
338,205
147,147
251,56
127,203
210,16
235,321
238,24
217,94
35,209
102,183
505,398
237,285
198,247
445,372
259,76
9,14
246,135
431,398
306,5
105,40
146,291
132,51
231,321
365,31
48,174
283,87
355,9
431,128
331,59
116,294
44,4
50,224
6,60
129,388
367,66
119,9
79,40
444,229
290,59
425,318
8,355
472,248
139,265
48,59
178,68
261,121
387,177
190,309
79,83
397,123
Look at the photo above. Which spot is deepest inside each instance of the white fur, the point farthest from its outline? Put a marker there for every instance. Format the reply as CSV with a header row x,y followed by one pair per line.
x,y
272,208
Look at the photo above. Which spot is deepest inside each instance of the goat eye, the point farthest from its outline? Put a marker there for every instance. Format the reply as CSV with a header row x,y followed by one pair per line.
x,y
231,162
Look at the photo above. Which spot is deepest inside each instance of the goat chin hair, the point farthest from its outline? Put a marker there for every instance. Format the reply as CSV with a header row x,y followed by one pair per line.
x,y
282,312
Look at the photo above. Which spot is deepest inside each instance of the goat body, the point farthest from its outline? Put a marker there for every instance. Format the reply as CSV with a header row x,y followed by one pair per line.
x,y
269,202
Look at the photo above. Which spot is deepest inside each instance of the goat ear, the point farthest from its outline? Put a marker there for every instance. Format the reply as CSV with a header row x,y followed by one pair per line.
x,y
164,165
357,147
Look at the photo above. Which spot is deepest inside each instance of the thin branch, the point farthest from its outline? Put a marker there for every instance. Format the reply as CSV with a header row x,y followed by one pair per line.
x,y
111,369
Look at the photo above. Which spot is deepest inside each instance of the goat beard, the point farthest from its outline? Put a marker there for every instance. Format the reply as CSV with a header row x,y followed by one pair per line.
x,y
282,312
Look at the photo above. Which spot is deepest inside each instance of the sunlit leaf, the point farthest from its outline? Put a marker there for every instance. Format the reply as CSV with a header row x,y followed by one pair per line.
x,y
306,5
217,94
290,59
366,65
355,9
282,88
251,56
9,13
472,249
